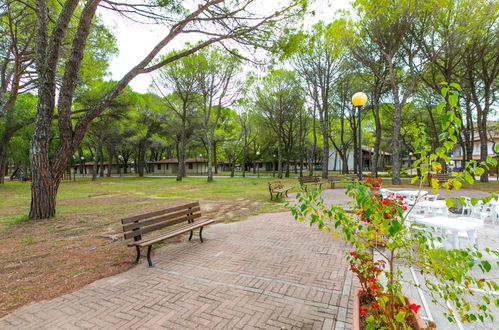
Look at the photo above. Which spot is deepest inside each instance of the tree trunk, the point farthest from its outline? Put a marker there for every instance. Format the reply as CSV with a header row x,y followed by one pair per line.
x,y
279,153
325,155
482,132
396,146
377,136
81,160
215,163
101,162
181,153
3,160
210,158
141,159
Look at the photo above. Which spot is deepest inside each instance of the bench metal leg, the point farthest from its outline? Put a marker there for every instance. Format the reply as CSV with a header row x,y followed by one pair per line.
x,y
201,234
138,254
190,236
149,248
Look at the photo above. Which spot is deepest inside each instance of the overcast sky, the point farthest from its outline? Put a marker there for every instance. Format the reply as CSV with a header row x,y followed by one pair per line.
x,y
134,41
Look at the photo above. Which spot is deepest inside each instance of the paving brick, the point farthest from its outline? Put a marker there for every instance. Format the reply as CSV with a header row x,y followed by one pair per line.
x,y
266,272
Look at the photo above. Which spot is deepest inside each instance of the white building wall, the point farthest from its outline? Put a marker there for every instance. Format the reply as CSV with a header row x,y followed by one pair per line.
x,y
335,163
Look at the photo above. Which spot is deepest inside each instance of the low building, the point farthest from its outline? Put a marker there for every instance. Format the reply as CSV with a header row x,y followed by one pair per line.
x,y
457,153
115,167
192,166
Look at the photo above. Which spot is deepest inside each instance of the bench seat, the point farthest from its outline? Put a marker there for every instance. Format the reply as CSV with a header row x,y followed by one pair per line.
x,y
176,221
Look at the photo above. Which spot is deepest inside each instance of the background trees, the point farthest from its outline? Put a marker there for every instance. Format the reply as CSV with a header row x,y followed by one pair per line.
x,y
208,100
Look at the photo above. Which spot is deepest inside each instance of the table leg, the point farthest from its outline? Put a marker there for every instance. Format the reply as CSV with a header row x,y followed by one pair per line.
x,y
456,239
472,239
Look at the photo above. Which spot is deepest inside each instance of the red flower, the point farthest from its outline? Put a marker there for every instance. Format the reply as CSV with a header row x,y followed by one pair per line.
x,y
415,307
374,287
358,213
386,202
352,268
352,253
404,208
386,215
364,219
362,311
371,280
375,269
375,304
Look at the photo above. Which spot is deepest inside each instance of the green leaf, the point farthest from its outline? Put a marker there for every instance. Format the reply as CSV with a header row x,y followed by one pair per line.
x,y
444,91
486,265
457,184
400,317
449,202
414,179
453,99
469,178
456,86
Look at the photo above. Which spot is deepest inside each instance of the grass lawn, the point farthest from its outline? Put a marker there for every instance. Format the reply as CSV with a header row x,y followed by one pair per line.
x,y
44,259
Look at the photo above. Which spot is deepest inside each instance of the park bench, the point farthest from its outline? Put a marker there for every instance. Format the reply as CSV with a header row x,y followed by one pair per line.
x,y
306,181
278,188
176,220
347,178
441,177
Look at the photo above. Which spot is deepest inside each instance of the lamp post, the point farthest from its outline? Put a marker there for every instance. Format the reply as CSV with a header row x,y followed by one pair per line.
x,y
358,100
258,164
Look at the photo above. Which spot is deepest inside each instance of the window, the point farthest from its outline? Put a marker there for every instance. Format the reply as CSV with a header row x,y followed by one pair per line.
x,y
166,166
190,166
159,166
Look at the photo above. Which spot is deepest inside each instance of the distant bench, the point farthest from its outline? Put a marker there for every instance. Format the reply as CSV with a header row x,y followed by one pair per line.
x,y
306,181
441,177
278,188
179,220
347,178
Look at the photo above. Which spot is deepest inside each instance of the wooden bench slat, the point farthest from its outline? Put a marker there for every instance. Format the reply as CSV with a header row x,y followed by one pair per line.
x,y
144,223
160,226
158,213
173,233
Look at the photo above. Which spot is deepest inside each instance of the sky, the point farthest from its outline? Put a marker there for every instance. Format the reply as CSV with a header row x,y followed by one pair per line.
x,y
135,40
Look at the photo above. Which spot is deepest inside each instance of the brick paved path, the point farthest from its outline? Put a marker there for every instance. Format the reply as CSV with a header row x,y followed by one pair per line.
x,y
268,271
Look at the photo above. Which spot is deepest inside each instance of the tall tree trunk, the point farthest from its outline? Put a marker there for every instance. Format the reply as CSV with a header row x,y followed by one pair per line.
x,y
377,137
215,162
210,157
325,154
397,164
81,160
181,153
482,132
141,159
279,152
101,162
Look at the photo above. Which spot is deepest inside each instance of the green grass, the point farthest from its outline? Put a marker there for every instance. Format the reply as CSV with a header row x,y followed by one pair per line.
x,y
107,195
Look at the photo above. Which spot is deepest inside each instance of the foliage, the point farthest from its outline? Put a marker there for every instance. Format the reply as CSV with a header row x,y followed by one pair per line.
x,y
383,226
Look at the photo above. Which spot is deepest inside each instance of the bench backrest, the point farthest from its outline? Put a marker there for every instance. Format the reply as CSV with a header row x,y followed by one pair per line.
x,y
135,227
308,179
273,185
441,176
334,178
350,176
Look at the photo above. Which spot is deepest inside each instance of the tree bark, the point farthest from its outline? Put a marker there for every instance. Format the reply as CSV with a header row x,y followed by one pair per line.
x,y
181,152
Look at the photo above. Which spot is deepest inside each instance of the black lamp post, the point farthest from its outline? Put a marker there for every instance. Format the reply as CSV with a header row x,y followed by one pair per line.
x,y
358,100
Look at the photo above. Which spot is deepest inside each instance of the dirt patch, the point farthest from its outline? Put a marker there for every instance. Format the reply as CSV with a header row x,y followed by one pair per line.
x,y
43,259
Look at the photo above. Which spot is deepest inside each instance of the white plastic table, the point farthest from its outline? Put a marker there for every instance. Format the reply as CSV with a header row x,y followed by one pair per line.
x,y
454,225
433,207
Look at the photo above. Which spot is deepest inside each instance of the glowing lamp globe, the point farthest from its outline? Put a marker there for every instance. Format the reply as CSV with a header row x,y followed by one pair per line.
x,y
359,99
